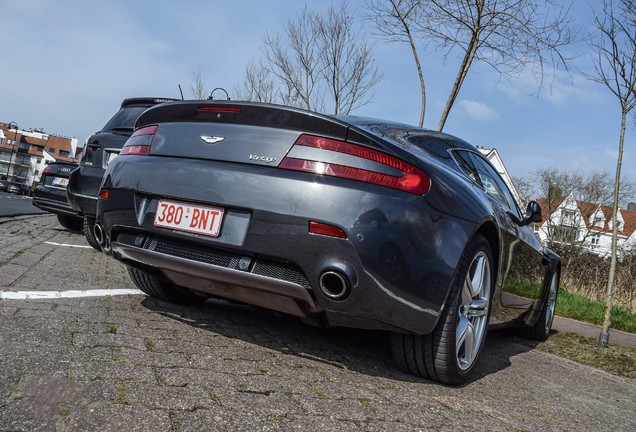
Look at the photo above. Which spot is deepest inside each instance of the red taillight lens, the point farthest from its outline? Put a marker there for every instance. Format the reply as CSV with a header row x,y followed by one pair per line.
x,y
135,150
139,142
411,179
327,230
147,130
219,108
47,171
104,194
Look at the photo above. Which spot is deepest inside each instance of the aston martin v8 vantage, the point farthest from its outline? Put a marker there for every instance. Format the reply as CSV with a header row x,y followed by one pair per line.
x,y
340,220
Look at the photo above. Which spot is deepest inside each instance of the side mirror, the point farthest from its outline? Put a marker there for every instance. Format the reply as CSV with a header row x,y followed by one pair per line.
x,y
533,213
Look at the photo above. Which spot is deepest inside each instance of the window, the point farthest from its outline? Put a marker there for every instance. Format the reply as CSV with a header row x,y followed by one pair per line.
x,y
564,234
481,172
567,217
494,184
1,140
52,149
467,166
595,240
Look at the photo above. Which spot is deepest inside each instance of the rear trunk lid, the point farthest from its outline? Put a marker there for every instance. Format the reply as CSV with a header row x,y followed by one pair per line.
x,y
234,132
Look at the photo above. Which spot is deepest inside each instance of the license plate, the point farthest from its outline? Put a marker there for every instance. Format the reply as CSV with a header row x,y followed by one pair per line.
x,y
59,181
189,217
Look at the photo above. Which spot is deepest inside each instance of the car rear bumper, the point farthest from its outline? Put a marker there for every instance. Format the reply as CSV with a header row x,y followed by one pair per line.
x,y
399,270
52,200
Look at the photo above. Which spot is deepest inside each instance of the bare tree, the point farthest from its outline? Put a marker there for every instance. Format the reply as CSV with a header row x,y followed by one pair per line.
x,y
347,60
317,60
508,35
258,84
197,86
615,68
294,60
394,19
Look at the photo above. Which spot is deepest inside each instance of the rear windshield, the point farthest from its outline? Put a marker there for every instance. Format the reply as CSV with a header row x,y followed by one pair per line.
x,y
125,118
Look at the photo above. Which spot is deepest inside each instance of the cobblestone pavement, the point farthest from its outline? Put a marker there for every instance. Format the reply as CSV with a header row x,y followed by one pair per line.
x,y
130,363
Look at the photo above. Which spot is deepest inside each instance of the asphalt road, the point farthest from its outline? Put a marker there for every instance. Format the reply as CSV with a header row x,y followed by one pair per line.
x,y
11,205
130,363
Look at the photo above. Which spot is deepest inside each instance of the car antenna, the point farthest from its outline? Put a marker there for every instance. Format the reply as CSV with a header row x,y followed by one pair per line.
x,y
180,91
211,97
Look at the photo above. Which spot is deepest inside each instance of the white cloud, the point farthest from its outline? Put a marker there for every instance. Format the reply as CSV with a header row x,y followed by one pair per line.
x,y
560,90
477,110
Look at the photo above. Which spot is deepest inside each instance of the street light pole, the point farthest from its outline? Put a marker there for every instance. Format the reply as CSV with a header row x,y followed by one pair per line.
x,y
15,140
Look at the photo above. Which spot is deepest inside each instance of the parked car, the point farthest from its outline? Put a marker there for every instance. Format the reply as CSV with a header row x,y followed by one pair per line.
x,y
14,187
342,221
50,194
100,149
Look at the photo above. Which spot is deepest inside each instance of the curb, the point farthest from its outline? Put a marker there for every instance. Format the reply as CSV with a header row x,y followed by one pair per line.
x,y
616,337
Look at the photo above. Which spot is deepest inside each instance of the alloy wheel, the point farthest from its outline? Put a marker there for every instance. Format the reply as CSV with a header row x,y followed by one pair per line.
x,y
472,313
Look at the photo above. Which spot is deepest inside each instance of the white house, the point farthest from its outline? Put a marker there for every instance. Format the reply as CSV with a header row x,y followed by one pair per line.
x,y
572,221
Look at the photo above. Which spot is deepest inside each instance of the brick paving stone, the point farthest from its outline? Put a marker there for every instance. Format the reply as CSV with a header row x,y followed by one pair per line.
x,y
132,363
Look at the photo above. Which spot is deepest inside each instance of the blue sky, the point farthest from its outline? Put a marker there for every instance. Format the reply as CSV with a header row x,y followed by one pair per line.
x,y
68,64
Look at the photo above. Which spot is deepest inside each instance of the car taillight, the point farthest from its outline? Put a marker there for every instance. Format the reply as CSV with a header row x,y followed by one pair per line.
x,y
387,170
219,108
139,142
135,150
47,171
104,194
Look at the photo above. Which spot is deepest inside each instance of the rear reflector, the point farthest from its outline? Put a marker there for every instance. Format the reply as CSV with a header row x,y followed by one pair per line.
x,y
412,179
327,230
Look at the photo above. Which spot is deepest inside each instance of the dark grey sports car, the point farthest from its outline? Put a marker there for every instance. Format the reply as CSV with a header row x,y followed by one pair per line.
x,y
340,220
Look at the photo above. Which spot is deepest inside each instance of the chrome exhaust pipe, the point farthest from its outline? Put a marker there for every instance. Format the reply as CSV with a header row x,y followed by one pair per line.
x,y
335,285
98,232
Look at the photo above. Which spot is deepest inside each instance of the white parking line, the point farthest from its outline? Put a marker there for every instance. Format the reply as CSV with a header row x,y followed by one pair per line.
x,y
68,245
30,295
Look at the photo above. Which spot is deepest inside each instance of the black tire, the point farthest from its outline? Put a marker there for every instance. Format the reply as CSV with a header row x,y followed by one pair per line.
x,y
540,331
88,227
440,356
72,223
162,289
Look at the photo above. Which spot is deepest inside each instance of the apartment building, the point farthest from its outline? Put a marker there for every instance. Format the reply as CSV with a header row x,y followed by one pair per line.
x,y
24,154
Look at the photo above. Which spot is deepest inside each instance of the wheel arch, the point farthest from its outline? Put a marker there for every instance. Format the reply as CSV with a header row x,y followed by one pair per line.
x,y
489,230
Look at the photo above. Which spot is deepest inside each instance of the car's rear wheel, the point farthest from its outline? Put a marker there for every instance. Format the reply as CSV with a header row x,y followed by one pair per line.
x,y
162,289
450,352
70,222
89,232
540,331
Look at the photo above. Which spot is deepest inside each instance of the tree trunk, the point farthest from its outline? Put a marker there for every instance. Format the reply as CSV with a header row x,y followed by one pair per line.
x,y
467,61
603,338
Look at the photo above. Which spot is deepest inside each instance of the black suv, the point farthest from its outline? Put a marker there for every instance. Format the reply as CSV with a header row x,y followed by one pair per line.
x,y
101,148
50,194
